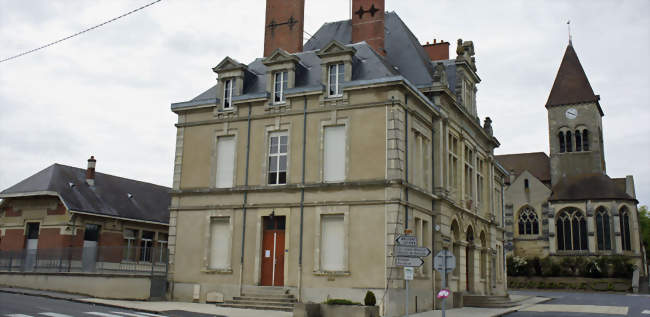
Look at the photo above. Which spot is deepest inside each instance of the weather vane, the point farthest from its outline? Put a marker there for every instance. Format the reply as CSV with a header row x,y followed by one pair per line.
x,y
568,23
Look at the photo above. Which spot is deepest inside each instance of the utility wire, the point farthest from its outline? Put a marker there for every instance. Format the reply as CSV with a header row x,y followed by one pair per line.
x,y
79,33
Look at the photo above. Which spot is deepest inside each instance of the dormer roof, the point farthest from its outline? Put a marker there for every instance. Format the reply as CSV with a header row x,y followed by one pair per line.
x,y
571,85
279,56
228,64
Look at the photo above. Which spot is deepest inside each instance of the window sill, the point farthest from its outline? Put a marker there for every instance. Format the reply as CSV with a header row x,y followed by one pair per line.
x,y
217,271
332,273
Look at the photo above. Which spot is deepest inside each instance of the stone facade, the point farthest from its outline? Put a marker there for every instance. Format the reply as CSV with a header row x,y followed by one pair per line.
x,y
415,160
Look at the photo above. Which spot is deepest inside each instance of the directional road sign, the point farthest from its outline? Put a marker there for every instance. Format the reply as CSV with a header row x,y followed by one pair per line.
x,y
442,257
408,273
413,262
401,250
411,241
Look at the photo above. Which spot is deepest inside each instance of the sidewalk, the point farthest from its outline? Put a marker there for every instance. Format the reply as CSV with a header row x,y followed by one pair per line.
x,y
211,309
485,312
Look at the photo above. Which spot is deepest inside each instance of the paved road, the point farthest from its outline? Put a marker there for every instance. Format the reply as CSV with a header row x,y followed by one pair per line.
x,y
15,305
577,304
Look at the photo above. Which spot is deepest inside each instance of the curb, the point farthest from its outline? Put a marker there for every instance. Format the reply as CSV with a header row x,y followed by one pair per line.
x,y
517,308
77,300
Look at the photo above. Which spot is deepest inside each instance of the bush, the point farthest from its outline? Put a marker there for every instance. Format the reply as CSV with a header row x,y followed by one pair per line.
x,y
517,266
339,301
370,299
621,266
535,266
541,285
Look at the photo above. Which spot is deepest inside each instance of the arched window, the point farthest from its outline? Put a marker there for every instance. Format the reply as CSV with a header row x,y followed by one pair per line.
x,y
578,141
571,230
603,234
561,138
569,142
585,140
624,218
528,223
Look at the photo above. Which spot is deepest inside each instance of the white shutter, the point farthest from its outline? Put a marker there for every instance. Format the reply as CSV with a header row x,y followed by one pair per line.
x,y
225,161
334,156
332,243
220,241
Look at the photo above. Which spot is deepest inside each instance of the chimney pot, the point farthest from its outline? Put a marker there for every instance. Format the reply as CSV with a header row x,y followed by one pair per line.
x,y
90,171
434,41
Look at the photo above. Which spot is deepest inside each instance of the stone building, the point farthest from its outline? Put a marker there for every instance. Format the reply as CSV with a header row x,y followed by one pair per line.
x,y
63,210
298,170
566,204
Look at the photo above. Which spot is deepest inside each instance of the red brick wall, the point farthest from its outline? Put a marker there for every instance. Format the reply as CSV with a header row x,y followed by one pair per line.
x,y
59,210
14,240
112,241
437,51
285,36
11,212
51,238
367,26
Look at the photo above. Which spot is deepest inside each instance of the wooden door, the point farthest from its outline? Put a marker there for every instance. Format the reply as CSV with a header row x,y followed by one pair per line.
x,y
273,251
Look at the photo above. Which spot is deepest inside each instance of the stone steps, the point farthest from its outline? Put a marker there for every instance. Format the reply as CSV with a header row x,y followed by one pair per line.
x,y
263,299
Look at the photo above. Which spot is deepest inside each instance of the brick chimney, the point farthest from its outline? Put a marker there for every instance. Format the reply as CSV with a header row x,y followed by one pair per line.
x,y
90,171
368,23
284,25
438,50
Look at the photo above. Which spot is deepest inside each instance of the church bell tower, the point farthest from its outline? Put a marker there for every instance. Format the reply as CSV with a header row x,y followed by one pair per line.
x,y
574,122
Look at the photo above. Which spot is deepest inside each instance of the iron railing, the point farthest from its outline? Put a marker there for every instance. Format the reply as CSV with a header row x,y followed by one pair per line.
x,y
99,259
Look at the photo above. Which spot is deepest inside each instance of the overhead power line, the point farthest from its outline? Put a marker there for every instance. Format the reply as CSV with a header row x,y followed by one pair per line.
x,y
79,33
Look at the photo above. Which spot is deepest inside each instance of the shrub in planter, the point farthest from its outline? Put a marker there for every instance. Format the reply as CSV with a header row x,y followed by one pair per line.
x,y
340,301
370,299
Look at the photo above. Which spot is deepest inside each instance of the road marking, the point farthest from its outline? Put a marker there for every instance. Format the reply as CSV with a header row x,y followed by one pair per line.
x,y
128,314
646,312
593,309
102,314
17,315
152,315
54,315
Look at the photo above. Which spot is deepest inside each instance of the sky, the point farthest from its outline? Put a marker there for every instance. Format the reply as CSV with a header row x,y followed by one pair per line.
x,y
108,92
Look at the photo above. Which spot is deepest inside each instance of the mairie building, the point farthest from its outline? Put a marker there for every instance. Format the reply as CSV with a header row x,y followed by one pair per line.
x,y
297,171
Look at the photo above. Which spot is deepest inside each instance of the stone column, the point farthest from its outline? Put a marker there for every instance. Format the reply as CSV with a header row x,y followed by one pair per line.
x,y
591,237
462,269
552,239
617,244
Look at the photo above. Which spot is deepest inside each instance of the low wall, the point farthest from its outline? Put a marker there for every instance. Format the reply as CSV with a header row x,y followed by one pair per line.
x,y
110,286
573,283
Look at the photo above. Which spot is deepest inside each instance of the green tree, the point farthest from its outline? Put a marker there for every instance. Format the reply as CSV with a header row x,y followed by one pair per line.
x,y
644,222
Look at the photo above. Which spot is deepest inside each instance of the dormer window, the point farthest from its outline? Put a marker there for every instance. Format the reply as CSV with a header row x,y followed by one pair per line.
x,y
228,88
280,85
336,78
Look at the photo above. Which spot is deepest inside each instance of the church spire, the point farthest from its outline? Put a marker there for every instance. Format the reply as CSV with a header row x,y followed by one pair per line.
x,y
571,85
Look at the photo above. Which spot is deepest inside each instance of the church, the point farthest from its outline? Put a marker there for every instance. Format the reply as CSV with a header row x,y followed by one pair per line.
x,y
565,204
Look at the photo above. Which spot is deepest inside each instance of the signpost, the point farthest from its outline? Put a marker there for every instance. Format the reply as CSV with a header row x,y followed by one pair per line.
x,y
407,254
444,262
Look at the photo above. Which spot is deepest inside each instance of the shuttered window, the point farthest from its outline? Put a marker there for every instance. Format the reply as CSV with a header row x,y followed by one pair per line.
x,y
220,241
334,156
225,161
332,243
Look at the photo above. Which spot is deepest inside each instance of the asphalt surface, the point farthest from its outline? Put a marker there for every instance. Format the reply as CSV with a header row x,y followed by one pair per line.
x,y
18,305
636,304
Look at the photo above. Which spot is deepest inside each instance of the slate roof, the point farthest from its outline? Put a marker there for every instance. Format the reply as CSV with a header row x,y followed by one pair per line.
x,y
571,85
537,163
108,197
405,57
588,186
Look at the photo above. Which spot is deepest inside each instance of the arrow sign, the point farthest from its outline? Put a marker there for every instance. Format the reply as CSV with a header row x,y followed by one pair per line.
x,y
411,241
413,262
401,250
442,257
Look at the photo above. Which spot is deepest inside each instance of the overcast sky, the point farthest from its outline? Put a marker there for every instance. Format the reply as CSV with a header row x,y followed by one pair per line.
x,y
108,92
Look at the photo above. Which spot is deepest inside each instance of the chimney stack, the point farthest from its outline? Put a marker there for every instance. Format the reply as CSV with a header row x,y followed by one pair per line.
x,y
284,26
90,171
437,51
368,23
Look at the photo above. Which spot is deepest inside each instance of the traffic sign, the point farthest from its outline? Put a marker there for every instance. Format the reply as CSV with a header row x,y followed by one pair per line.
x,y
401,250
408,273
444,293
412,262
411,241
444,261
